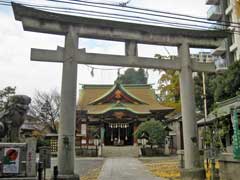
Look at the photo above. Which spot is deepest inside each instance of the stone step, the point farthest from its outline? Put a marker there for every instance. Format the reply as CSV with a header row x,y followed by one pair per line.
x,y
120,151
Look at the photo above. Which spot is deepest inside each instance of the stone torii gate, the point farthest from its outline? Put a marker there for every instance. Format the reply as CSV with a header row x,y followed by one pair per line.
x,y
73,27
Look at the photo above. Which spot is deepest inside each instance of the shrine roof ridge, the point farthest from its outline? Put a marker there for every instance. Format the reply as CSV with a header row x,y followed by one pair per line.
x,y
21,11
111,85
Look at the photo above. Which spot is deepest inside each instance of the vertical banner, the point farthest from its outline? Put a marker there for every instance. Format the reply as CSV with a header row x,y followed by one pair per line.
x,y
236,136
11,160
31,157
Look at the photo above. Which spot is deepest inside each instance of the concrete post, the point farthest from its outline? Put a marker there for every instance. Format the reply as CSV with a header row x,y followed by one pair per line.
x,y
191,152
66,139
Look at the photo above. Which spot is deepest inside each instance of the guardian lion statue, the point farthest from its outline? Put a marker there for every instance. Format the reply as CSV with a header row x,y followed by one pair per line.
x,y
13,116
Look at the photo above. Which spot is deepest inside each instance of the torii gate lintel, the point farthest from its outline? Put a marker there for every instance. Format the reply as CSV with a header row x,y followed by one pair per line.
x,y
81,57
53,23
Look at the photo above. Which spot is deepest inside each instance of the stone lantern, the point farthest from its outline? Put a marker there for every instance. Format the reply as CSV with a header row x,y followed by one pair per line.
x,y
144,138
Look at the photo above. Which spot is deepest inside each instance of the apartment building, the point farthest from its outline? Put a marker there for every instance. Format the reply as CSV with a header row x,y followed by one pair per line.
x,y
224,12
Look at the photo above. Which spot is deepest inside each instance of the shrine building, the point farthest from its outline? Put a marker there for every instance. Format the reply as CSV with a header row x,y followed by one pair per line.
x,y
115,111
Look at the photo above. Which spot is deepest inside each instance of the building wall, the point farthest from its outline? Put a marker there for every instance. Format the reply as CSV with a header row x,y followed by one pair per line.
x,y
231,13
228,13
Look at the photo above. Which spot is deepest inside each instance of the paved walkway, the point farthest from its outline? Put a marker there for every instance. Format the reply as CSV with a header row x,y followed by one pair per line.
x,y
82,165
125,169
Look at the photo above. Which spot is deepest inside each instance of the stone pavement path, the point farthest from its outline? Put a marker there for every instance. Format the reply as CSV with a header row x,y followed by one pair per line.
x,y
82,165
124,168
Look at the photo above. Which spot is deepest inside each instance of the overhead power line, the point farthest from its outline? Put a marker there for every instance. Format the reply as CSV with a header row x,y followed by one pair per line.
x,y
143,12
115,16
147,10
5,3
202,20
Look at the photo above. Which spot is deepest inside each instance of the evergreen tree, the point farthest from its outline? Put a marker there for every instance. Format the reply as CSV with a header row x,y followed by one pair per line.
x,y
132,76
227,85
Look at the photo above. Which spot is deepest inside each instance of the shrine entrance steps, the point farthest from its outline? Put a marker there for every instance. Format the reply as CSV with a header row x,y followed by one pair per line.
x,y
120,151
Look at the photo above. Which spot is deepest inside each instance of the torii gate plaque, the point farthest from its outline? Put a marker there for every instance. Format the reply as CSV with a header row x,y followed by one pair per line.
x,y
73,27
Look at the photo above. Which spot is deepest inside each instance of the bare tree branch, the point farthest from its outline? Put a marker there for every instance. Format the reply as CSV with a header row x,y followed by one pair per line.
x,y
46,106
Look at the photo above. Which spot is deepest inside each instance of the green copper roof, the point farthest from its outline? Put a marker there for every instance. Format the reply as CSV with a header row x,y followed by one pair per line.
x,y
223,109
115,87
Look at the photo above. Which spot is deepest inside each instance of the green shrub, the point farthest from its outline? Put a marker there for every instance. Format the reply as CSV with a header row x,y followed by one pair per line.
x,y
155,130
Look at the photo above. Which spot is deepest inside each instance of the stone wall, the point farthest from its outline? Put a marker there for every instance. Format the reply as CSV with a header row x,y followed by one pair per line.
x,y
229,167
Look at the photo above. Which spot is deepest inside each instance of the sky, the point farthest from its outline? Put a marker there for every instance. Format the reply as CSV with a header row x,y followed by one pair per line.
x,y
17,70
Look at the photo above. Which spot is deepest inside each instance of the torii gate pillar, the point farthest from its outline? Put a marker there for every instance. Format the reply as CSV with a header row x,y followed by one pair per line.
x,y
66,136
192,169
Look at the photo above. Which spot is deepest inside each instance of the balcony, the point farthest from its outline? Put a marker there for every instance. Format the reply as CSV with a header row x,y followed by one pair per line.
x,y
212,2
233,47
218,51
214,13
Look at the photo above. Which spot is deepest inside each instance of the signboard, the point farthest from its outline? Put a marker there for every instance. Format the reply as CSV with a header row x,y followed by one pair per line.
x,y
11,160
